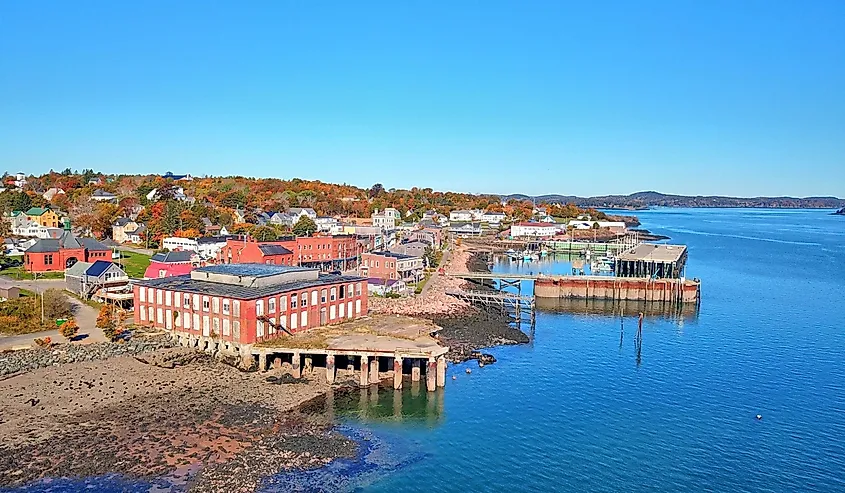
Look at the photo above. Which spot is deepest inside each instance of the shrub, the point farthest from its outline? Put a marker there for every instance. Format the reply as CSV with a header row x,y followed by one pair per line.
x,y
45,343
104,318
69,329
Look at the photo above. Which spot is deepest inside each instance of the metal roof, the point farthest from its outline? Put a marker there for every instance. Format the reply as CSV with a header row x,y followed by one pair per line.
x,y
650,252
170,257
188,285
78,269
274,250
399,256
252,270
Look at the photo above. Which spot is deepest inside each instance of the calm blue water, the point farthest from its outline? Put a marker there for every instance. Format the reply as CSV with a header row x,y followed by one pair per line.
x,y
576,411
573,411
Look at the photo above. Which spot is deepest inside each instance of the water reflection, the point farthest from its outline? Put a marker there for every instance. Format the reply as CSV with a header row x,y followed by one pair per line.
x,y
676,312
381,404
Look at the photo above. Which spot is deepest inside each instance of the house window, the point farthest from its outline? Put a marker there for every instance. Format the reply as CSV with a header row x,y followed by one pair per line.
x,y
293,301
168,298
177,319
322,296
333,295
159,294
150,312
293,321
226,307
259,328
196,302
186,302
357,289
314,297
142,295
143,312
159,316
226,331
215,305
350,289
48,260
259,308
236,308
283,303
340,310
303,300
178,302
304,321
236,328
342,293
206,306
283,321
332,312
271,305
215,325
357,307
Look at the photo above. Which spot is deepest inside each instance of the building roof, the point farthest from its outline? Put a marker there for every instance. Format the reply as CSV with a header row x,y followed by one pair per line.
x,y
188,285
297,210
78,269
253,270
649,252
398,256
535,225
102,193
171,257
36,211
92,244
375,281
270,249
122,221
140,229
98,268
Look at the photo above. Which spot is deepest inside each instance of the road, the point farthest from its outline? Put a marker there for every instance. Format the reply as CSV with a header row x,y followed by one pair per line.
x,y
85,316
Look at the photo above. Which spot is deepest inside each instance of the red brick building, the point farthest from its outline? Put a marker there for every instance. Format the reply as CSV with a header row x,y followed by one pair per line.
x,y
170,264
326,253
250,251
52,255
388,265
237,302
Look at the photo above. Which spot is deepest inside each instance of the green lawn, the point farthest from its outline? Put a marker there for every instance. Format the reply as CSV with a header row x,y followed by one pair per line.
x,y
19,273
133,263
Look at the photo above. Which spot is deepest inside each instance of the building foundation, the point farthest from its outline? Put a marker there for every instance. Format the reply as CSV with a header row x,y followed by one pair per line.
x,y
431,375
415,370
441,371
330,369
364,380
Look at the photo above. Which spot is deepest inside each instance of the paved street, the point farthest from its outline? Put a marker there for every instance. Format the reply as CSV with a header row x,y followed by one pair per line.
x,y
85,316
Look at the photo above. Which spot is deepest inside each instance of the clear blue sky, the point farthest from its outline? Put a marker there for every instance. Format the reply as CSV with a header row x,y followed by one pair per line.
x,y
695,97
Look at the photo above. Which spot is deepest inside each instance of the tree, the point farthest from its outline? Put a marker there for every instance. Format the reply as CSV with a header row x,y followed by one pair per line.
x,y
56,305
69,329
304,227
375,190
265,233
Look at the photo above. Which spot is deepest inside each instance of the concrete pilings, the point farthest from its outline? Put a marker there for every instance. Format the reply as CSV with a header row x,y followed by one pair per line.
x,y
330,369
296,368
431,375
397,373
309,365
374,370
441,371
365,372
415,370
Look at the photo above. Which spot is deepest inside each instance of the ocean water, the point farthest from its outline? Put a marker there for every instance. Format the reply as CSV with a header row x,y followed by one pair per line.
x,y
579,410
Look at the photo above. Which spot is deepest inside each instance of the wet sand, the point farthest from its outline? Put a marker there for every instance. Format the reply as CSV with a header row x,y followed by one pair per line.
x,y
203,425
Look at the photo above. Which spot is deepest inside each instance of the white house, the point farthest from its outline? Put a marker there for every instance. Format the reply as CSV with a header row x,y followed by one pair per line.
x,y
52,192
387,219
492,217
465,216
537,230
20,180
298,212
615,226
178,194
208,247
326,223
101,195
175,243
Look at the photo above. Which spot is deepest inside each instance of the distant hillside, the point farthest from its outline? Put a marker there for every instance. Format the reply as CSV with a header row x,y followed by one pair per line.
x,y
641,200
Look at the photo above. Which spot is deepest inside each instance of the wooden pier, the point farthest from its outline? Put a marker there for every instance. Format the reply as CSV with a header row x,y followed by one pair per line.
x,y
500,300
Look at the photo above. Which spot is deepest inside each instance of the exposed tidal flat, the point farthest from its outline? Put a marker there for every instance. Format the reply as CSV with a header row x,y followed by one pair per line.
x,y
578,408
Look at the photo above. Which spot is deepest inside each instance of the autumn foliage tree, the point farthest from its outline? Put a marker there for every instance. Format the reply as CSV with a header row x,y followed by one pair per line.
x,y
69,329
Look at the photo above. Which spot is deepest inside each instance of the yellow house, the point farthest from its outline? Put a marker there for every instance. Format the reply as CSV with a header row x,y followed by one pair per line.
x,y
44,217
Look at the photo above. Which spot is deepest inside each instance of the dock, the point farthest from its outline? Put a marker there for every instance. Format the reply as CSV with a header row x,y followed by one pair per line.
x,y
370,349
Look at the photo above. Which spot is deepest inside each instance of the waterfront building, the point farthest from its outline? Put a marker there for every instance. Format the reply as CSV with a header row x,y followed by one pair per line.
x,y
536,230
388,265
245,303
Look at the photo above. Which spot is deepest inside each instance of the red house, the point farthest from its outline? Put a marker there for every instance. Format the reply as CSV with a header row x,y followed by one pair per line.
x,y
245,303
250,251
177,263
51,255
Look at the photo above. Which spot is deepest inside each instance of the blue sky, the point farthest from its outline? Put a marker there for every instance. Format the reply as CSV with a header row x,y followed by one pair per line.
x,y
693,97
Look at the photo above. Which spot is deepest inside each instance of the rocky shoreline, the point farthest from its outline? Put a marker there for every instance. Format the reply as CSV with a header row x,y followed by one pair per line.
x,y
174,416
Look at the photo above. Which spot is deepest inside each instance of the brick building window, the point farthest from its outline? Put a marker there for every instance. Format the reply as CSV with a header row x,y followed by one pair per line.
x,y
271,305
